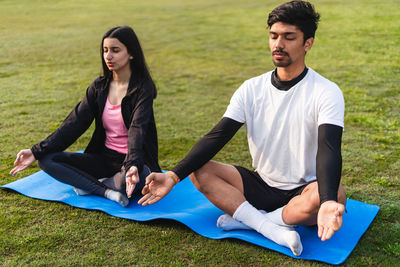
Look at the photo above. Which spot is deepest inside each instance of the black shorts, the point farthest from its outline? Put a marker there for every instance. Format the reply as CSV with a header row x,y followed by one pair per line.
x,y
262,196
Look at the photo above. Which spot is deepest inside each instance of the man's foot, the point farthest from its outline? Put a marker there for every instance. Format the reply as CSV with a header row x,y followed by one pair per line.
x,y
282,235
117,197
227,223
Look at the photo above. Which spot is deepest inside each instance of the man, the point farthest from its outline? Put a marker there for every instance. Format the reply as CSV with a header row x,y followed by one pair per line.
x,y
294,122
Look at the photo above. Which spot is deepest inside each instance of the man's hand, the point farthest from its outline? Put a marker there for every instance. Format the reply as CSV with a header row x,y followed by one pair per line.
x,y
157,186
25,158
330,219
131,179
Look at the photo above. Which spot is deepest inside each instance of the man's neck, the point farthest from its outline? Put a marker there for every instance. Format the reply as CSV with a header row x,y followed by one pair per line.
x,y
286,85
289,73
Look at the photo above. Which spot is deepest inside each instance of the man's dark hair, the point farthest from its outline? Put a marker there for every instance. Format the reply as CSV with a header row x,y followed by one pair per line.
x,y
298,13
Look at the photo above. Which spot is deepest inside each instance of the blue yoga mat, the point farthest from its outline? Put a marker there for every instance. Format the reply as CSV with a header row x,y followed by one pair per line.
x,y
187,205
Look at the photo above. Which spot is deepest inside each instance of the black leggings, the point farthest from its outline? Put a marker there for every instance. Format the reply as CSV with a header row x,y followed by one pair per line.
x,y
84,170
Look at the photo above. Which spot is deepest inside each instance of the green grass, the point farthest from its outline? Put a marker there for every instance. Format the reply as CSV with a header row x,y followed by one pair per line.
x,y
199,52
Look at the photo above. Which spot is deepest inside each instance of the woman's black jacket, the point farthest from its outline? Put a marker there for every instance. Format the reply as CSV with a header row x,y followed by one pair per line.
x,y
137,112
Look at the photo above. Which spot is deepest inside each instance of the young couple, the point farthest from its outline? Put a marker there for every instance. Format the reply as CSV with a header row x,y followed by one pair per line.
x,y
294,121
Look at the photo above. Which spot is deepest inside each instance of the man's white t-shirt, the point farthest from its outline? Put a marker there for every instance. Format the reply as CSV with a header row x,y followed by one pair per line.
x,y
282,126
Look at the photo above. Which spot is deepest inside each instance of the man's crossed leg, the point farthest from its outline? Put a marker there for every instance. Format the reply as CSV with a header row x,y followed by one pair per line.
x,y
223,185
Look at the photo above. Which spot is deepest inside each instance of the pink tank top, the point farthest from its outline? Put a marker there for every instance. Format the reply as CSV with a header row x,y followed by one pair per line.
x,y
116,132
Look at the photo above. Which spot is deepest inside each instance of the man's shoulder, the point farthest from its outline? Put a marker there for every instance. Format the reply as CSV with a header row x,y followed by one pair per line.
x,y
257,82
322,82
261,77
325,90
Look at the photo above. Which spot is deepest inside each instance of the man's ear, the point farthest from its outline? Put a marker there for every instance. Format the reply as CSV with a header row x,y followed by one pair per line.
x,y
308,43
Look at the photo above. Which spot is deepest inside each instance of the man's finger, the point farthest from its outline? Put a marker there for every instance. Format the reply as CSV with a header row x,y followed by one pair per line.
x,y
150,178
326,229
329,233
153,199
145,190
144,199
320,231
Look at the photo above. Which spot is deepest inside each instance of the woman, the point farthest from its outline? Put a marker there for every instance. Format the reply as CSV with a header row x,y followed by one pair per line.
x,y
124,144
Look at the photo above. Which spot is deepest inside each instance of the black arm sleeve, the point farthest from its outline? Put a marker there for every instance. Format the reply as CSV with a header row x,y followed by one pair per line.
x,y
329,161
207,147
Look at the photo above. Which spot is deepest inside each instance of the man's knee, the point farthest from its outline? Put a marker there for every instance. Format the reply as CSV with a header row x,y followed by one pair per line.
x,y
342,195
200,177
204,177
313,200
311,203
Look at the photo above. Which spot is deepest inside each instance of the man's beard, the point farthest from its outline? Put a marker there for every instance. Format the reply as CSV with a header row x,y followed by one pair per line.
x,y
281,63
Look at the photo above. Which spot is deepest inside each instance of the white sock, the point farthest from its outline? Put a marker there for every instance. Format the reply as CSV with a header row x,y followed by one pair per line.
x,y
81,192
227,223
281,235
117,197
276,217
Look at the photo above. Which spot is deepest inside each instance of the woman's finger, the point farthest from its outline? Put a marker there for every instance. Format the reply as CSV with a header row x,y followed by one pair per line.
x,y
129,188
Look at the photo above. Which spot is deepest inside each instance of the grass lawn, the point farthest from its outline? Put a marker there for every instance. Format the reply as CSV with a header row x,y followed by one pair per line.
x,y
199,52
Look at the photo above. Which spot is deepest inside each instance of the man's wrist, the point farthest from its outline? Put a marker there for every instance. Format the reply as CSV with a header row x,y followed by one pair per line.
x,y
173,176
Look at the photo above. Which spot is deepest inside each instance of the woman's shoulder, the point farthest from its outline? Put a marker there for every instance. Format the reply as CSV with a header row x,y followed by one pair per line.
x,y
99,82
96,88
143,88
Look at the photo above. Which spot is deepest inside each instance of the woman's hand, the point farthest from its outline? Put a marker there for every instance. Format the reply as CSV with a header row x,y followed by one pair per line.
x,y
25,158
158,185
131,179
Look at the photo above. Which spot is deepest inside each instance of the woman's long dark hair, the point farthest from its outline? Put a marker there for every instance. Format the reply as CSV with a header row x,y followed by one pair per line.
x,y
140,72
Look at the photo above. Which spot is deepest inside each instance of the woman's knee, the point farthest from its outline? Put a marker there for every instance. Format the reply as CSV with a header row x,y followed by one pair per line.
x,y
47,161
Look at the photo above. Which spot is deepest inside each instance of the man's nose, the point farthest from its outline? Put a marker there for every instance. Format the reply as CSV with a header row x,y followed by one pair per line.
x,y
279,43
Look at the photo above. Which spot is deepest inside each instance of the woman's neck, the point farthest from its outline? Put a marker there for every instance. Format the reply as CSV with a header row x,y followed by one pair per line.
x,y
122,76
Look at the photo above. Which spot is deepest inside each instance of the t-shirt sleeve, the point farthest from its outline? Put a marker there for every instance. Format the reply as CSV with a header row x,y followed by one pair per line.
x,y
236,107
331,106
